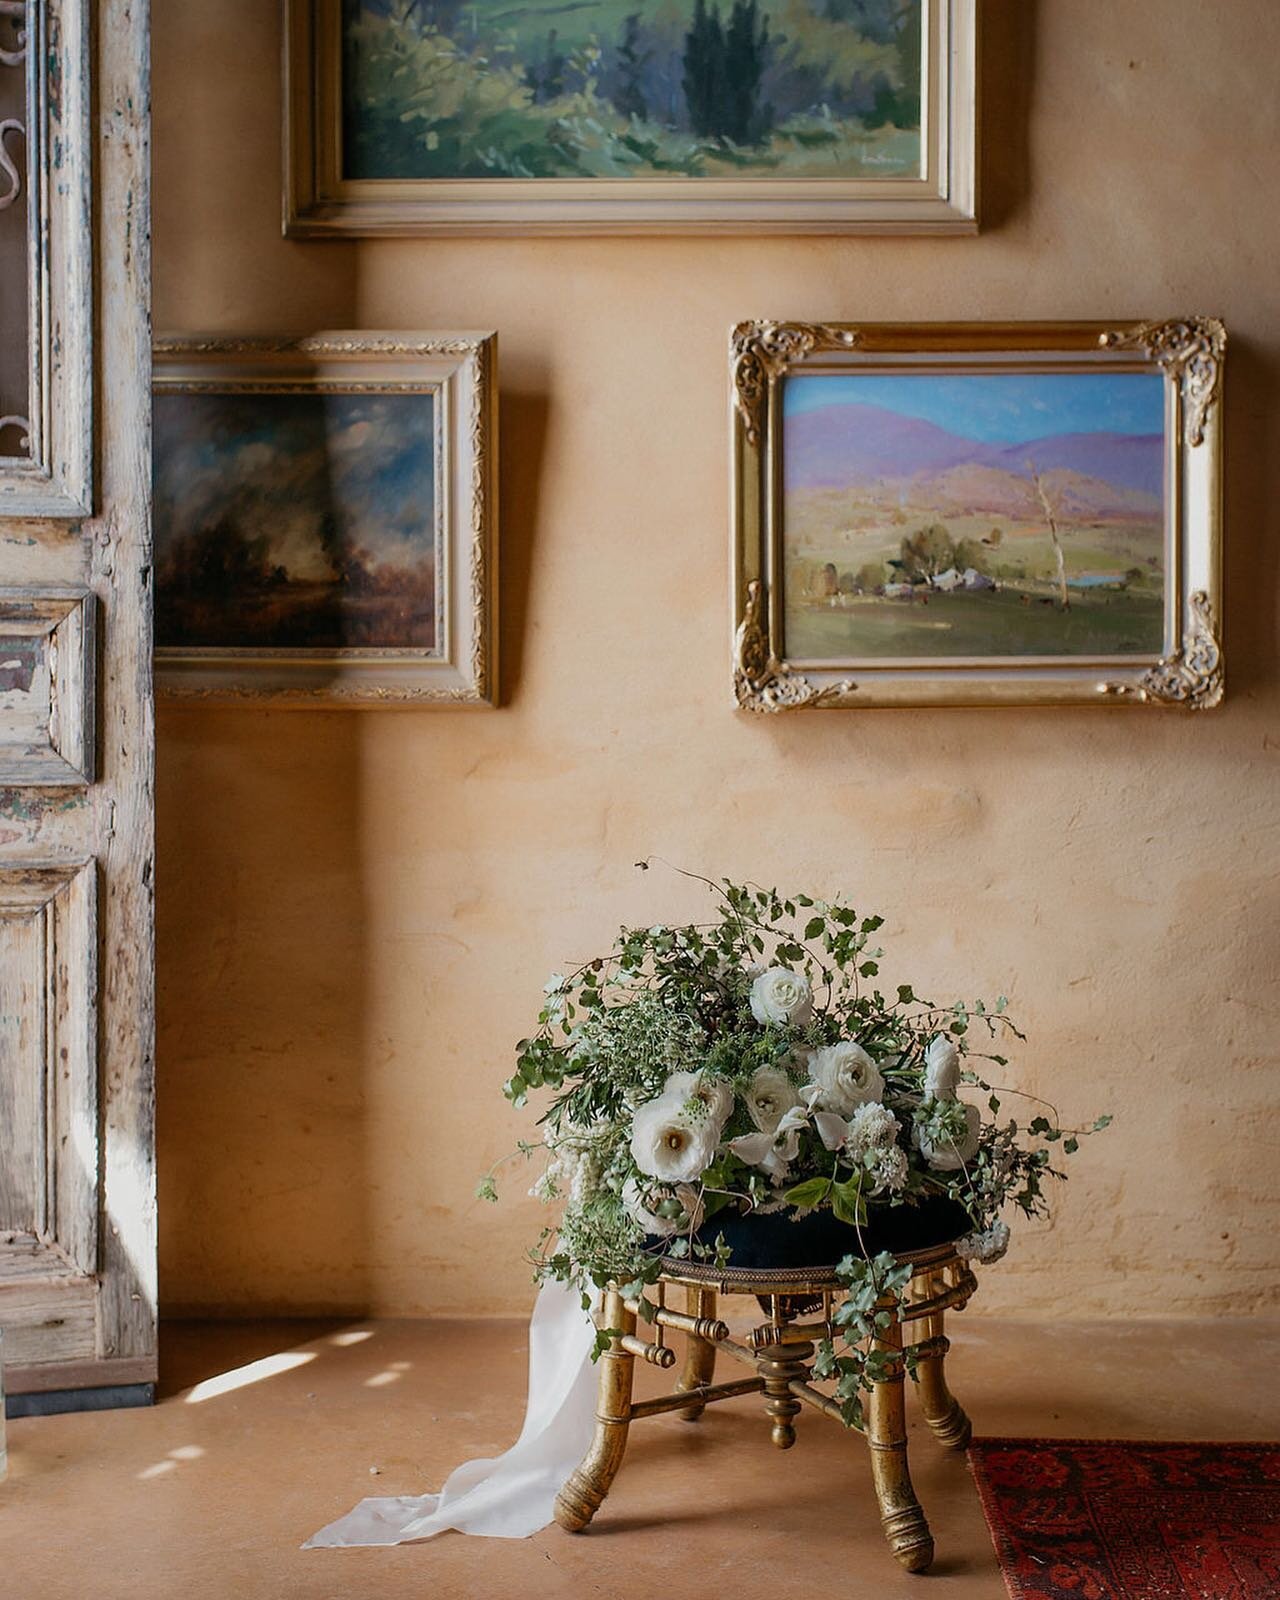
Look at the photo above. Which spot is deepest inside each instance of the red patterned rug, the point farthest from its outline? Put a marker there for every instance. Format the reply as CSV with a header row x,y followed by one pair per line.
x,y
1079,1519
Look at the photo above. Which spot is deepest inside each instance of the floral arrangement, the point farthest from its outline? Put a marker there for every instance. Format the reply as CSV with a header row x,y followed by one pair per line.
x,y
751,1064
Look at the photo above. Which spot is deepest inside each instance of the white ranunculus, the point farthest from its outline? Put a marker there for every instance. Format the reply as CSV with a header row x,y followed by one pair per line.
x,y
769,1096
942,1069
951,1154
780,995
714,1093
845,1076
633,1201
988,1244
668,1144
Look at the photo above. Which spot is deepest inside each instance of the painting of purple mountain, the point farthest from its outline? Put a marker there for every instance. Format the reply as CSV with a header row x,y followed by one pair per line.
x,y
973,515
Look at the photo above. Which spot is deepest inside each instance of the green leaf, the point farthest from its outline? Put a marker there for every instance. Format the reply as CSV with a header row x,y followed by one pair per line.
x,y
905,994
808,1194
814,927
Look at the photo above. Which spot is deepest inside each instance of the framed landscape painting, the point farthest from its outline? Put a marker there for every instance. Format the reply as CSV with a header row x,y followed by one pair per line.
x,y
630,116
324,518
977,514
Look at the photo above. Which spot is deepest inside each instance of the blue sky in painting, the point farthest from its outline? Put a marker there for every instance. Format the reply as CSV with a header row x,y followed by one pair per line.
x,y
996,408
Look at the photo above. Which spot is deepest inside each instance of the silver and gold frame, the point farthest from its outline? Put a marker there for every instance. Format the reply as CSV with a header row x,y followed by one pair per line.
x,y
1186,672
459,371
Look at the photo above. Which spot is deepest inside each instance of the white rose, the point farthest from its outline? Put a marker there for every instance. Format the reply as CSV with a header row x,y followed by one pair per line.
x,y
633,1201
942,1069
845,1076
780,995
769,1096
714,1093
950,1155
668,1144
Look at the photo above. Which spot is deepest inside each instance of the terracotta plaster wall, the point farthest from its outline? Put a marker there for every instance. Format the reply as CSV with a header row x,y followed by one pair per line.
x,y
357,910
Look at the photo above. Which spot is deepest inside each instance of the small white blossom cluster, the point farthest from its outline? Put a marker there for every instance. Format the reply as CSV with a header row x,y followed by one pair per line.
x,y
989,1244
575,1168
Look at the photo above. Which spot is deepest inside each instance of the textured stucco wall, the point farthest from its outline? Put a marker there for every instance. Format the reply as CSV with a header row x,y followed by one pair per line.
x,y
357,910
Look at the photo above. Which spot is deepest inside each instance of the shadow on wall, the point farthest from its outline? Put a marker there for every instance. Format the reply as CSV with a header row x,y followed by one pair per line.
x,y
261,972
522,432
1251,626
1007,60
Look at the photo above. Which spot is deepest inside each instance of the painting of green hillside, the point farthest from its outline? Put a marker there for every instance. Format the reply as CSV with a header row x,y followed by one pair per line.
x,y
678,89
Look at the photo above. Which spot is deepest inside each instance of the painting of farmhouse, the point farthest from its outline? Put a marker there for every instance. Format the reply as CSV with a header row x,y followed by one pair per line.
x,y
296,521
678,89
973,515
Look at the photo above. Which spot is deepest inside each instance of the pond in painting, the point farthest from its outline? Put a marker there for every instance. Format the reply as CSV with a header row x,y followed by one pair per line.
x,y
970,515
296,521
631,89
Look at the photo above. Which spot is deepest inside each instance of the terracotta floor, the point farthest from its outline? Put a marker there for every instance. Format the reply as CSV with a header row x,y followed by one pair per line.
x,y
208,1495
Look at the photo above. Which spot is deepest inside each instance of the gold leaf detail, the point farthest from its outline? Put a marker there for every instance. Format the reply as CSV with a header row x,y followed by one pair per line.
x,y
760,681
762,350
1192,349
1191,677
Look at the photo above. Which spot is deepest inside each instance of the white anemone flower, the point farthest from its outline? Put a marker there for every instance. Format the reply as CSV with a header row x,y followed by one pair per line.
x,y
845,1077
950,1155
668,1144
941,1068
690,1199
779,995
769,1096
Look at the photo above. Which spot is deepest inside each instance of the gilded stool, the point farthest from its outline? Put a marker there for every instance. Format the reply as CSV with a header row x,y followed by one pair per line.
x,y
778,1354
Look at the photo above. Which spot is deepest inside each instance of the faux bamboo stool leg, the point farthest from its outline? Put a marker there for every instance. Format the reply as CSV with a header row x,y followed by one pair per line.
x,y
700,1354
589,1483
900,1514
942,1411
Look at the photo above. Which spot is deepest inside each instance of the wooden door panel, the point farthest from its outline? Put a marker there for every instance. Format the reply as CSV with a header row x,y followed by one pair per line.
x,y
46,687
48,1090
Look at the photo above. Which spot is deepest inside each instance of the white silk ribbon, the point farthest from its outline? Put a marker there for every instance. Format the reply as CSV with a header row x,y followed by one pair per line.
x,y
513,1495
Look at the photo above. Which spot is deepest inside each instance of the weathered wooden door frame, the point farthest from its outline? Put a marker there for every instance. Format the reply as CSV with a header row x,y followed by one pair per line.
x,y
78,1288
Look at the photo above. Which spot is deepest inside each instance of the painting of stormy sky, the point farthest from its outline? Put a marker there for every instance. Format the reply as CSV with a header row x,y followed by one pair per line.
x,y
296,520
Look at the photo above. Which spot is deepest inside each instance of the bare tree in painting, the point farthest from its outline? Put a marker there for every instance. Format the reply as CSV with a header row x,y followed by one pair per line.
x,y
1043,496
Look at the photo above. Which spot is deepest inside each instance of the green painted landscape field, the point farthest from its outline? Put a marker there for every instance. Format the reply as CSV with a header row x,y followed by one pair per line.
x,y
925,517
620,88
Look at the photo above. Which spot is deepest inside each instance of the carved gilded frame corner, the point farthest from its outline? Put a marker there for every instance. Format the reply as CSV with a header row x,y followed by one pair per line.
x,y
319,201
460,370
1188,673
49,41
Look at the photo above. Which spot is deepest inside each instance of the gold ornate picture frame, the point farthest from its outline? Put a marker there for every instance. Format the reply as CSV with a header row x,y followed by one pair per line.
x,y
381,134
977,514
325,519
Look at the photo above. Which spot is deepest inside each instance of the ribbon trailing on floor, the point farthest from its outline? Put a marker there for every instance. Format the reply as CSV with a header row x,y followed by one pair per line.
x,y
512,1495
